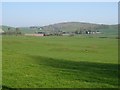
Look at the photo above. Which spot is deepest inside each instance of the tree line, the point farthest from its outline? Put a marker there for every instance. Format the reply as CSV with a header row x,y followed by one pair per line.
x,y
10,31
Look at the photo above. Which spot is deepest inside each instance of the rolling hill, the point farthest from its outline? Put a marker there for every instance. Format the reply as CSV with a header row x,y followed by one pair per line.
x,y
67,27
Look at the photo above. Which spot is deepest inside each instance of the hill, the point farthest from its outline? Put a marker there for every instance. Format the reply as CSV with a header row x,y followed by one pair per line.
x,y
68,27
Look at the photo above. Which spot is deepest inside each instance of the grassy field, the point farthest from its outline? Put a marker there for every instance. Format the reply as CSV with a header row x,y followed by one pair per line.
x,y
60,62
0,62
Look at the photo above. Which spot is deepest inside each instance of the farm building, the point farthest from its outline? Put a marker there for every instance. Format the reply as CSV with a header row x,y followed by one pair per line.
x,y
1,31
34,34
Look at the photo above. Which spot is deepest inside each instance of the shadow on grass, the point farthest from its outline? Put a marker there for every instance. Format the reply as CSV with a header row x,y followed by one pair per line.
x,y
82,71
7,88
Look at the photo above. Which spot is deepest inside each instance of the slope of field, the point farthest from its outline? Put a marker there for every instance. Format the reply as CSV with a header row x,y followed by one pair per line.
x,y
112,30
60,62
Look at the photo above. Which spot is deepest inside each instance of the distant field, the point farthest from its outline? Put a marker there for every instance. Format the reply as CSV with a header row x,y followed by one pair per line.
x,y
60,62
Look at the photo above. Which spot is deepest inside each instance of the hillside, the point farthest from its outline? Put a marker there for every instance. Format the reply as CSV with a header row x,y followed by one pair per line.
x,y
68,27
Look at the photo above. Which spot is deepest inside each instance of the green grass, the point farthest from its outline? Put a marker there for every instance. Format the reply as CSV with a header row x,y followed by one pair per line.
x,y
0,61
60,62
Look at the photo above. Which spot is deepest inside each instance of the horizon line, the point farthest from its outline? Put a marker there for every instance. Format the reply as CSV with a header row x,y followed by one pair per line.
x,y
59,23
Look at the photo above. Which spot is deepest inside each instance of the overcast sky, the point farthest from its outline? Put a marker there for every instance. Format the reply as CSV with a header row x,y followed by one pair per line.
x,y
39,13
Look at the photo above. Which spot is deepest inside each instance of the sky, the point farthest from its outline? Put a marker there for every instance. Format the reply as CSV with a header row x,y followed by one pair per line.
x,y
22,14
59,0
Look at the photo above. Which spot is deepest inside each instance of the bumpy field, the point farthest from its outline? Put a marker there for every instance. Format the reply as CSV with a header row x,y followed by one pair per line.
x,y
60,62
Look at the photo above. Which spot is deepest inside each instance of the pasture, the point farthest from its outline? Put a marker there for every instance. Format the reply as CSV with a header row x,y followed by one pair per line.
x,y
59,62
